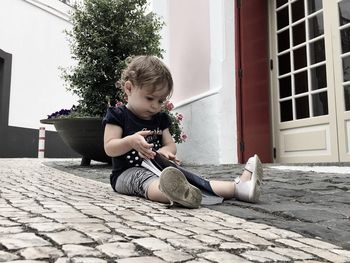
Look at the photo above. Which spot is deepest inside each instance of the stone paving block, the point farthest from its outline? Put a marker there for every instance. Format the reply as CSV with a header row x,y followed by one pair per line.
x,y
211,226
101,238
22,240
263,233
209,240
246,237
162,219
164,234
317,243
264,256
131,233
15,215
10,230
37,219
198,260
345,253
140,260
292,253
322,253
89,227
6,257
63,260
41,253
79,250
6,222
48,227
292,243
87,260
69,237
197,230
27,261
152,243
222,257
284,233
236,245
188,244
64,215
118,249
143,228
181,232
173,255
223,237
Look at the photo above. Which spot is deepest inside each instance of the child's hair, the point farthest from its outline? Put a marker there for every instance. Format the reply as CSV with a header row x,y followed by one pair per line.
x,y
147,71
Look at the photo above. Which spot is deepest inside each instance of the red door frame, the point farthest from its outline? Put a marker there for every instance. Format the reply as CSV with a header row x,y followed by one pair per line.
x,y
253,96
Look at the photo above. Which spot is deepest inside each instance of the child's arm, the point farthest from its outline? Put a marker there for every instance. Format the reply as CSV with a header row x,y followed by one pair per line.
x,y
169,147
115,145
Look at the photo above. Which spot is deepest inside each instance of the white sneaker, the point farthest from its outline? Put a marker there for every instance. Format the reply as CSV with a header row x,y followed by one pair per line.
x,y
249,191
174,185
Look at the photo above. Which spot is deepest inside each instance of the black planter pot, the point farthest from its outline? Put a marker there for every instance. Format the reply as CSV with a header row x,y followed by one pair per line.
x,y
84,136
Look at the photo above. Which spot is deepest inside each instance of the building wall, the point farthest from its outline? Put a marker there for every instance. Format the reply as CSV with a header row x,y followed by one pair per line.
x,y
32,31
33,46
199,37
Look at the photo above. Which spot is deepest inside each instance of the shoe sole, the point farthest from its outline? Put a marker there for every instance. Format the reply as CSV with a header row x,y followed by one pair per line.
x,y
174,185
256,179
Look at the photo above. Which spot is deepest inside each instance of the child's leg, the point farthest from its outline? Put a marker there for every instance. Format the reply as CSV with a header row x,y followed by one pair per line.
x,y
138,181
245,187
174,184
226,189
154,194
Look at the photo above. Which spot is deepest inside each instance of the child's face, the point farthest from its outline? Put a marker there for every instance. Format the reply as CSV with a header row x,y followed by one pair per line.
x,y
145,102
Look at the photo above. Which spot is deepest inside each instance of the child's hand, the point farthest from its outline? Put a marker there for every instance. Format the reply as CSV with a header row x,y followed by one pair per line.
x,y
139,143
169,155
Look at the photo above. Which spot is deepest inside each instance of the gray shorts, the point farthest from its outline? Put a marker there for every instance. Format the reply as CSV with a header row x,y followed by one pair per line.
x,y
135,181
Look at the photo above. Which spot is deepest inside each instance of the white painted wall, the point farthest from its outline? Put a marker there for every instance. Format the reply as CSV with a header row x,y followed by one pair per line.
x,y
32,31
200,41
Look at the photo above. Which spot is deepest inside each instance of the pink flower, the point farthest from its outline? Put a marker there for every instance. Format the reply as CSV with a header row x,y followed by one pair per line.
x,y
119,103
183,137
169,106
179,116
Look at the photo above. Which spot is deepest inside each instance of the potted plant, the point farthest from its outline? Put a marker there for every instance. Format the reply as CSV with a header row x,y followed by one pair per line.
x,y
104,34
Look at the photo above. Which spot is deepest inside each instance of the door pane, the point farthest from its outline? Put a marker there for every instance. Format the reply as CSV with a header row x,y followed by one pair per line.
x,y
320,104
302,107
299,34
300,82
286,110
298,10
300,58
345,40
316,27
285,87
318,77
314,5
283,40
282,18
281,2
344,13
284,64
346,68
347,97
317,51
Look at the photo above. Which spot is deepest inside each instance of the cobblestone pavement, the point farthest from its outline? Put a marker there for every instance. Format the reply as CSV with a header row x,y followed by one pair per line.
x,y
309,203
48,215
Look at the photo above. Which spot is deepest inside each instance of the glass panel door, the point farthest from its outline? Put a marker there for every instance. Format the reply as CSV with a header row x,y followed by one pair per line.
x,y
341,29
303,83
344,28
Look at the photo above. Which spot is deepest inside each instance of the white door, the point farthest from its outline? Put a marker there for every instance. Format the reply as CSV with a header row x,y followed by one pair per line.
x,y
310,80
341,49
